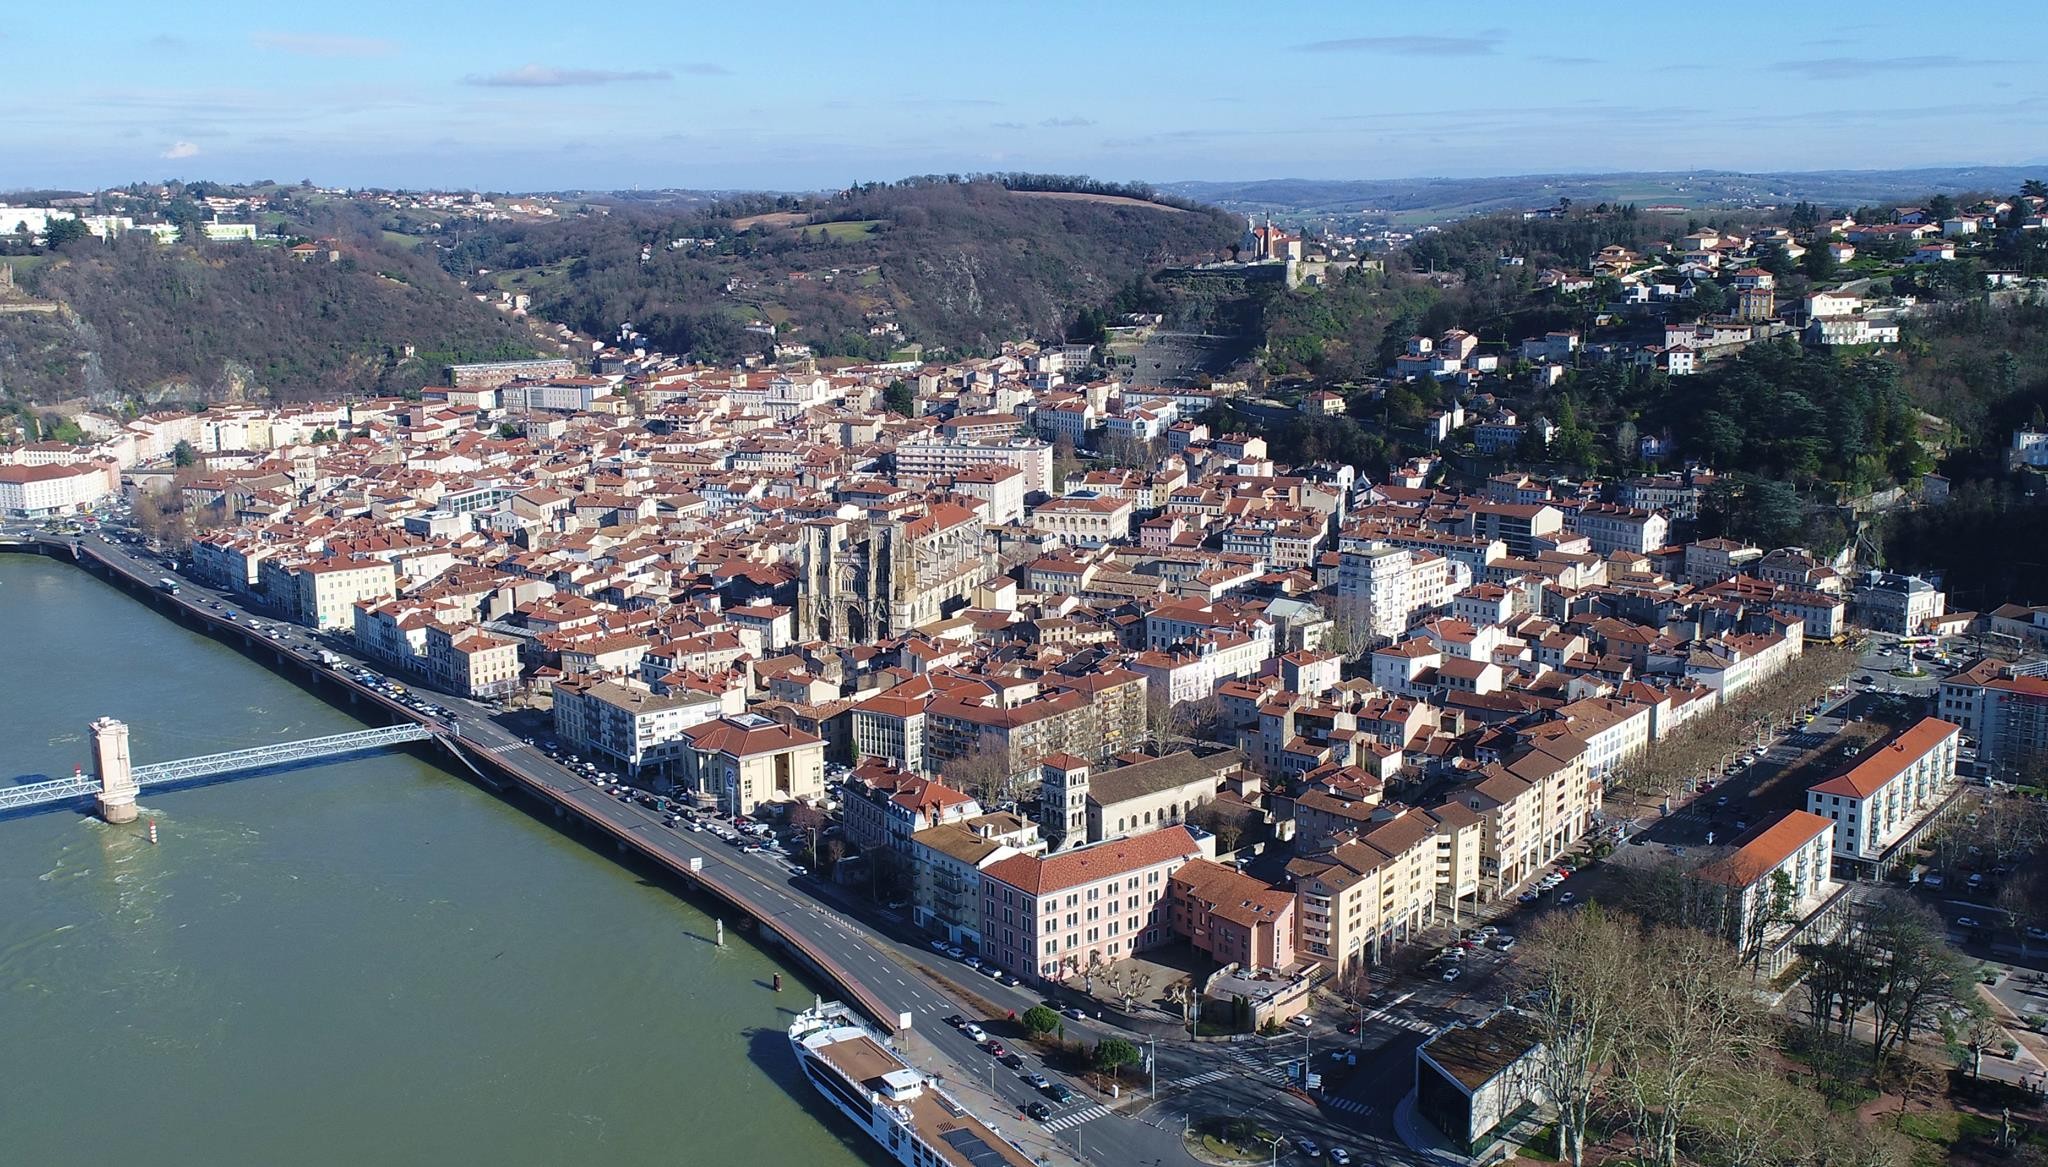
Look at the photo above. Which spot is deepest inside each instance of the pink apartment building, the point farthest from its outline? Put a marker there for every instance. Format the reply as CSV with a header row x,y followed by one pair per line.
x,y
1053,916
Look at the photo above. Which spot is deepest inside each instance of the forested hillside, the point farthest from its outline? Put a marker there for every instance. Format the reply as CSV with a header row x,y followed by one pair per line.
x,y
187,323
959,265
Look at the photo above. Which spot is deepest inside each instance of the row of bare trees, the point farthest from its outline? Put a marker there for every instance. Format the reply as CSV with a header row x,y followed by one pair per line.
x,y
1700,746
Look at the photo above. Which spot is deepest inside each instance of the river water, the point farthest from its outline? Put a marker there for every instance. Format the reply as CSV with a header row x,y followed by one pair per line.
x,y
361,962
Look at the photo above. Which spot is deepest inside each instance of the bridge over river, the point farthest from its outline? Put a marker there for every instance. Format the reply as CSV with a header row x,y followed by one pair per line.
x,y
116,782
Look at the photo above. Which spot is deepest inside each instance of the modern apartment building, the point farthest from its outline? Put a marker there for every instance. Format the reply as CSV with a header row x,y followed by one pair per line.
x,y
1776,888
1388,590
633,729
1890,789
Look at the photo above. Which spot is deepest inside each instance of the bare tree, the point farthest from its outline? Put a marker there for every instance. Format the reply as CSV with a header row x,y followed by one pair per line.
x,y
1750,1116
1583,1001
1975,1034
1188,997
1919,978
1696,1016
1773,907
983,771
1128,985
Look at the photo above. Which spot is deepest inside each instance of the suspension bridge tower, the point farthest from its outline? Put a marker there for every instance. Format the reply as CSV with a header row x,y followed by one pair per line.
x,y
116,775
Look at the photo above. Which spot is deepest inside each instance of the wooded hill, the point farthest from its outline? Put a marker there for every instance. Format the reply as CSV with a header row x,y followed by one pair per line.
x,y
214,320
959,264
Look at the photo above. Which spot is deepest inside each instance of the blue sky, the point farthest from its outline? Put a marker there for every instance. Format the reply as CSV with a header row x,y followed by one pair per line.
x,y
801,95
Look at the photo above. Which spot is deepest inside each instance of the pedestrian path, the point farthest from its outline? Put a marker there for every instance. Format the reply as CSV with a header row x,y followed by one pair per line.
x,y
1348,1105
1069,1121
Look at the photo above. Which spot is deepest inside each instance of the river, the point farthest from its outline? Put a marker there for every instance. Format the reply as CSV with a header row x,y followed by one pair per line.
x,y
361,962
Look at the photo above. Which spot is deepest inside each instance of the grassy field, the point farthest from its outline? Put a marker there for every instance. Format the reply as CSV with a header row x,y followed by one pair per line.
x,y
401,239
849,230
1076,196
776,219
24,264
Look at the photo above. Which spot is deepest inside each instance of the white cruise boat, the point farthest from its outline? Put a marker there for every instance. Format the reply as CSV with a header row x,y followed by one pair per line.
x,y
900,1107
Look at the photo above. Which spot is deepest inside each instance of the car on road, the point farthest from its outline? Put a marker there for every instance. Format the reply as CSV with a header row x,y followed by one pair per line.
x,y
994,1048
975,1033
1453,973
1039,1111
1968,922
2037,933
940,946
955,951
1530,897
1075,1012
1309,1148
1565,897
1038,1081
1340,1156
956,1021
1012,1059
1059,1093
971,961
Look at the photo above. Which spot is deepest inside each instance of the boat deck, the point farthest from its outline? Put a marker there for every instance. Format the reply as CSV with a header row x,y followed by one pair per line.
x,y
963,1139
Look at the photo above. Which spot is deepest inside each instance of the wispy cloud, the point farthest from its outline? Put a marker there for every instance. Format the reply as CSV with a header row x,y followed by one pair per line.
x,y
1008,126
317,44
947,102
181,150
1067,123
550,77
704,69
164,42
1551,59
1479,45
1838,68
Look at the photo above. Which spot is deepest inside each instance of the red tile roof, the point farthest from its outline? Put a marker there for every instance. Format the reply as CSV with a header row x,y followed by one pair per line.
x,y
1769,845
1035,876
1886,762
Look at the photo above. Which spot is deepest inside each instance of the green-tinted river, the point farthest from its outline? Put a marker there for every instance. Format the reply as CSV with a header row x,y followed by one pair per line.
x,y
362,962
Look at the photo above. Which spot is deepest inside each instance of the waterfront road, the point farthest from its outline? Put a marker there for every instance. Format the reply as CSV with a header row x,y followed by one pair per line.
x,y
885,967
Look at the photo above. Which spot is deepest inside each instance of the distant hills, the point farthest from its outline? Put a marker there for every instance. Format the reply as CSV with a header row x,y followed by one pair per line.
x,y
1426,199
955,265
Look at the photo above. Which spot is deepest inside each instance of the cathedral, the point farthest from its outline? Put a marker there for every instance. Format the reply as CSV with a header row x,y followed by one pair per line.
x,y
879,576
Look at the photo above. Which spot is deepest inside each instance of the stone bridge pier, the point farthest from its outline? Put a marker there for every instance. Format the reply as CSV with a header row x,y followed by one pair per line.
x,y
116,774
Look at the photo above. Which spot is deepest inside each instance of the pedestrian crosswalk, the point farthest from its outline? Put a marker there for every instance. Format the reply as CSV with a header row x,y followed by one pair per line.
x,y
1202,1079
1072,1119
1347,1105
